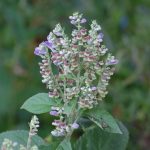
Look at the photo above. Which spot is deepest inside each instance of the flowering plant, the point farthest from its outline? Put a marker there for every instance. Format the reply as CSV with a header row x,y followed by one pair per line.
x,y
76,72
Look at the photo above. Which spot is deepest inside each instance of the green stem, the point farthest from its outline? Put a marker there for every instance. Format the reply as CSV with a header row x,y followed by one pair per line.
x,y
65,99
29,141
77,115
54,79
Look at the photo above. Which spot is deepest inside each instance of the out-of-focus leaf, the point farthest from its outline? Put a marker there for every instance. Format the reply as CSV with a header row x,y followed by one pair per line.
x,y
21,137
64,145
97,139
52,146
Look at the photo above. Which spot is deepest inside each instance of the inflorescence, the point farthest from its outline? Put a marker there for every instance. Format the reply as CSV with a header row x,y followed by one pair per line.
x,y
8,144
84,67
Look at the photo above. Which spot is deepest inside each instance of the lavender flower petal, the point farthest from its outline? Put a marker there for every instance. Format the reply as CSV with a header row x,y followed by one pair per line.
x,y
40,50
54,113
112,62
83,20
57,33
75,125
94,88
50,45
37,51
100,37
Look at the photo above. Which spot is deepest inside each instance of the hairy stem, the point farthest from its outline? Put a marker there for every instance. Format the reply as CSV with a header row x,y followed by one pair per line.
x,y
54,79
29,141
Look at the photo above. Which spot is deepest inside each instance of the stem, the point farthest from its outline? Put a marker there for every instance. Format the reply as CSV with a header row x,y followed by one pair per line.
x,y
65,91
77,116
29,141
79,66
99,82
54,79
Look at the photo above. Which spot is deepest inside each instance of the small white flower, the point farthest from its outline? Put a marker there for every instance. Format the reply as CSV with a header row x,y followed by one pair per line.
x,y
34,125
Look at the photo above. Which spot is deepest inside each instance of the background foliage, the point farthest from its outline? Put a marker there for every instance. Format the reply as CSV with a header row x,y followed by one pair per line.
x,y
126,25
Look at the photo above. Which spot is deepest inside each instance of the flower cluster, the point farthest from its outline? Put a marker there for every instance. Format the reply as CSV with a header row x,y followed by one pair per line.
x,y
75,69
34,124
8,145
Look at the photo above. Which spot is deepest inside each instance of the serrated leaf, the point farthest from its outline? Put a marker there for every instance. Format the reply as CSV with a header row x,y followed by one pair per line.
x,y
103,119
39,103
97,139
20,136
64,145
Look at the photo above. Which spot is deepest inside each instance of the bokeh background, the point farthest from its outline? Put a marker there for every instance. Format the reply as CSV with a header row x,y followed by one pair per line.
x,y
126,26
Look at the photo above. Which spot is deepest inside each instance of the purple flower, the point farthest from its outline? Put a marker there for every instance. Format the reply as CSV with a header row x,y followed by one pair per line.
x,y
93,88
50,45
112,62
77,18
100,37
57,33
83,20
40,50
37,51
75,125
54,113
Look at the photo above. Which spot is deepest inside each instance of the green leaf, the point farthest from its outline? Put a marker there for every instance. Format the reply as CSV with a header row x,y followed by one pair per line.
x,y
64,145
45,147
103,119
20,136
48,147
52,146
39,103
97,139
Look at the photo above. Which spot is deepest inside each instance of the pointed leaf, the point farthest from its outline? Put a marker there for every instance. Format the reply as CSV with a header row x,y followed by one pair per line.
x,y
39,103
64,145
103,119
97,139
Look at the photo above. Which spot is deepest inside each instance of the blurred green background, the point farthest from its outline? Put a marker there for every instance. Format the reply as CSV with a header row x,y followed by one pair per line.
x,y
126,26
